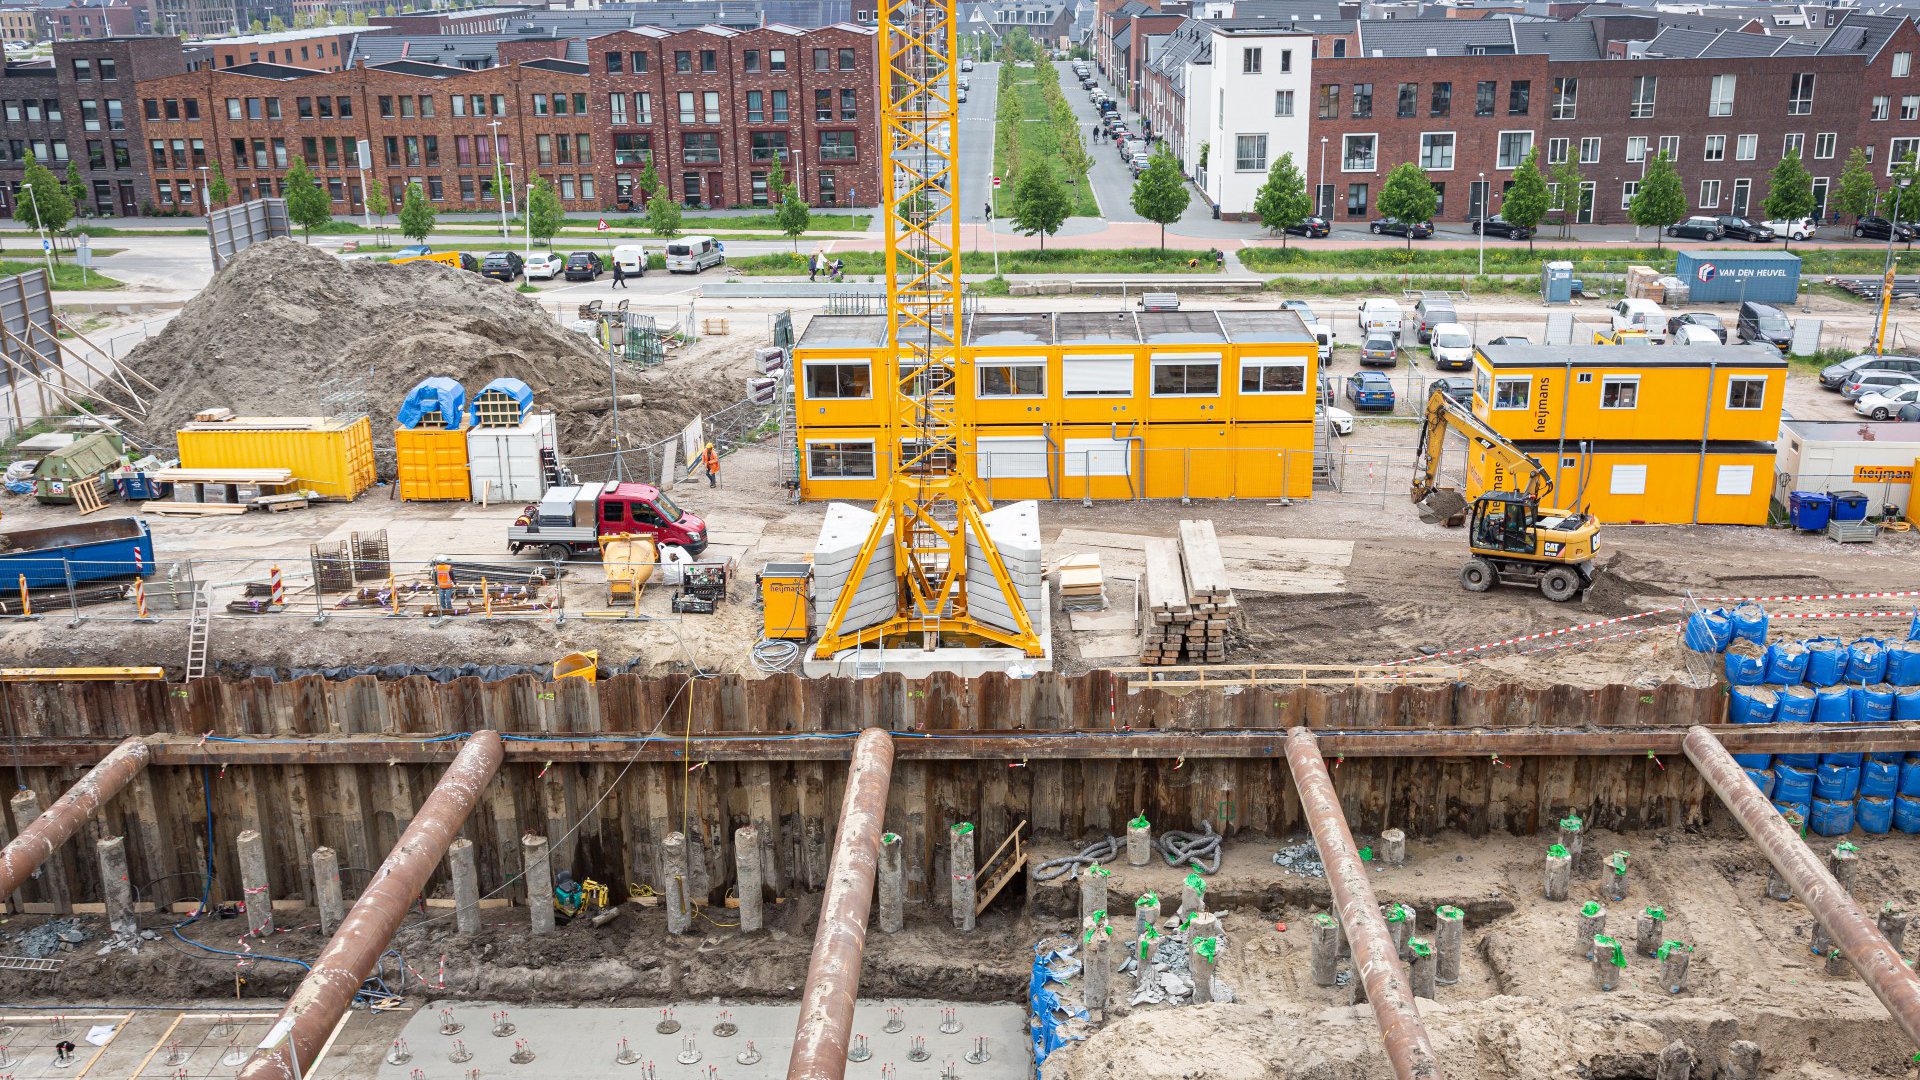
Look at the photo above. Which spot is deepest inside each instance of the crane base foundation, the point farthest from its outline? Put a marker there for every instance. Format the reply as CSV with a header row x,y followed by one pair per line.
x,y
919,663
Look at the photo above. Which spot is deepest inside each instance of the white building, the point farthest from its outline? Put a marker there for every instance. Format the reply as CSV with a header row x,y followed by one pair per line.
x,y
1249,105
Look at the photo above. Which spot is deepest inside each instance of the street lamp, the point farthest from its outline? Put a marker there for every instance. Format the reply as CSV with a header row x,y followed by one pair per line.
x,y
206,196
1482,230
499,192
1320,191
46,248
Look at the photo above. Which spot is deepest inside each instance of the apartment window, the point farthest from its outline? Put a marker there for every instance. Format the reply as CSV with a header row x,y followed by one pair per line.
x,y
151,106
617,107
750,61
1272,375
840,380
632,149
1362,100
1250,61
643,108
1557,150
82,70
1013,378
1590,151
1250,153
637,63
769,146
1513,149
1716,148
779,106
1440,102
122,154
1709,194
823,59
823,105
1483,98
840,459
1357,200
776,60
1645,89
686,106
108,71
1566,98
836,146
1283,103
1800,95
1902,64
1357,153
1512,392
702,148
1746,147
683,62
710,106
1910,107
1720,102
302,108
1619,391
1823,144
756,107
1670,147
1436,150
1793,144
1187,376
543,149
1518,92
709,62
1881,107
1900,151
846,58
386,106
616,62
345,108
1329,101
1409,102
1746,392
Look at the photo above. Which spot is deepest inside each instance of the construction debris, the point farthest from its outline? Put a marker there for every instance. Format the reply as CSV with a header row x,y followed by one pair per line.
x,y
50,938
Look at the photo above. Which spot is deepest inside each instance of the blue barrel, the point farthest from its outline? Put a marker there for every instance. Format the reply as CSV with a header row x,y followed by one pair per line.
x,y
1874,814
1791,784
1746,664
1751,704
1708,631
1831,817
1833,705
1867,660
1786,662
1849,506
1880,779
1762,779
1749,623
1836,782
1903,663
1796,705
1810,509
1872,703
1803,808
1906,813
1750,762
1906,704
1826,661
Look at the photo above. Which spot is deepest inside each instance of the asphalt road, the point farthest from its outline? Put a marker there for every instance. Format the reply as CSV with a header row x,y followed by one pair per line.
x,y
1112,180
976,139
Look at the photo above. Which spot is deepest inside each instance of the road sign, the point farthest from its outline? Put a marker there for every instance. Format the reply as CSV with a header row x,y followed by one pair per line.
x,y
996,183
46,245
602,227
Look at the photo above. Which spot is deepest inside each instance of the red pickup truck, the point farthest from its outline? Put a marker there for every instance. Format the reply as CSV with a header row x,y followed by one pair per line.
x,y
573,519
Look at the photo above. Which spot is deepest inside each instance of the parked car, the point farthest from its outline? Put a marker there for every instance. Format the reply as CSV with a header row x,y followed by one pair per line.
x,y
1689,334
1313,228
692,254
1883,404
1390,226
1499,226
413,252
1908,414
1340,420
1638,313
1796,229
631,259
966,84
1511,339
1764,323
1370,390
1696,228
1741,229
1139,164
1377,313
546,266
1432,311
1879,228
966,65
1452,347
502,265
1834,376
469,261
960,95
1873,380
1379,349
1458,390
1302,309
584,266
1706,320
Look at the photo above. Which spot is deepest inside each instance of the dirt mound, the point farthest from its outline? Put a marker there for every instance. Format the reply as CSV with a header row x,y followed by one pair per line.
x,y
284,324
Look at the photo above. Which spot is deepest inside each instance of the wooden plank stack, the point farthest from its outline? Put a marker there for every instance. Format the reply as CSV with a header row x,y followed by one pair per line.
x,y
1082,585
1188,602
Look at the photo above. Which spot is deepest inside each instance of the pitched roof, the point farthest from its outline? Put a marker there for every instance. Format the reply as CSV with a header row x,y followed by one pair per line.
x,y
1559,40
1677,44
1862,34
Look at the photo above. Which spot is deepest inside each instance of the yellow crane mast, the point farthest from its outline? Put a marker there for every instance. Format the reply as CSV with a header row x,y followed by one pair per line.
x,y
931,509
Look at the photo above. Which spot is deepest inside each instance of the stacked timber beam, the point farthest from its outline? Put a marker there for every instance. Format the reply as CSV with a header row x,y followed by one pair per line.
x,y
1188,600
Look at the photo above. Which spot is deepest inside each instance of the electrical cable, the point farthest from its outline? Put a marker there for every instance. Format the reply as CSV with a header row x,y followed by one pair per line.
x,y
775,655
1100,851
1199,850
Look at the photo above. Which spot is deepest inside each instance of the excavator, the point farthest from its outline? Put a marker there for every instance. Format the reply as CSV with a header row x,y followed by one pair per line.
x,y
1512,538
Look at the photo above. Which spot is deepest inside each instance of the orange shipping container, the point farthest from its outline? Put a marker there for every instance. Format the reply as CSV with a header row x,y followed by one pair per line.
x,y
433,464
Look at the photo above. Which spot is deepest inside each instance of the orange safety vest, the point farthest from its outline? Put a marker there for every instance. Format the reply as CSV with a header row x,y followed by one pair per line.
x,y
443,576
713,460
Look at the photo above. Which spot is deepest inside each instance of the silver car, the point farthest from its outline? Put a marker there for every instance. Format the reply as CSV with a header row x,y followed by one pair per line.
x,y
1874,380
1833,376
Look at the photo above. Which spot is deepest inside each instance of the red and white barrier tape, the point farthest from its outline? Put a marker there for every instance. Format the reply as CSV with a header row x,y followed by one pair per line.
x,y
1602,637
1531,637
1820,596
1840,614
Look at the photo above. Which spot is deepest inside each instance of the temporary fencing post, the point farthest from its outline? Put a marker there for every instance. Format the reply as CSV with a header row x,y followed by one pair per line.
x,y
73,598
277,590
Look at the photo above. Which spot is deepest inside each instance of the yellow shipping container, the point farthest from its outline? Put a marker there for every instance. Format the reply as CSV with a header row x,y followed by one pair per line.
x,y
1659,483
331,457
433,464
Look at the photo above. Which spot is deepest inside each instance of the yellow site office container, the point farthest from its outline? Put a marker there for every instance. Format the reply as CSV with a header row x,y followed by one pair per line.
x,y
1012,387
839,388
331,457
1017,461
433,464
1273,461
1659,483
1730,393
1192,461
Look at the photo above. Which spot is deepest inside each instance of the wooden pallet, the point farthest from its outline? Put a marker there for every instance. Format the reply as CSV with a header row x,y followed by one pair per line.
x,y
87,496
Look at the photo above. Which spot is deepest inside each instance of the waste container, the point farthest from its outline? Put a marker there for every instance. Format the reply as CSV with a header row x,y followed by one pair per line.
x,y
1810,509
1849,506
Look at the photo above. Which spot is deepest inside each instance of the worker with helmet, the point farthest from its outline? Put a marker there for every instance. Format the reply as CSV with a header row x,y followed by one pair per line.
x,y
443,580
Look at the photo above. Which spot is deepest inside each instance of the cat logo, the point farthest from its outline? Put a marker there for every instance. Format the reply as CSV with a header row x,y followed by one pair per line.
x,y
1552,548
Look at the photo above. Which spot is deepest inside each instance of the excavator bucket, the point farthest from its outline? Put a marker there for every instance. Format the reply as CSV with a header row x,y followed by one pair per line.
x,y
1443,506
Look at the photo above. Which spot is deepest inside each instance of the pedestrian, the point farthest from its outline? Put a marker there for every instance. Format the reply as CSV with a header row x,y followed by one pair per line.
x,y
619,274
443,580
711,459
813,266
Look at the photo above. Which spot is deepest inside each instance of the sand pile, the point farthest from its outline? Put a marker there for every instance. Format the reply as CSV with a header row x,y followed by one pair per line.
x,y
270,331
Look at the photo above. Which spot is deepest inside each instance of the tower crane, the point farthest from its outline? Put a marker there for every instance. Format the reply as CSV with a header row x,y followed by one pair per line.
x,y
931,510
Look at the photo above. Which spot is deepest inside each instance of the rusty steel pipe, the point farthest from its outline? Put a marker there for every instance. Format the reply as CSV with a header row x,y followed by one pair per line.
x,y
1853,930
1389,988
317,1004
54,827
833,974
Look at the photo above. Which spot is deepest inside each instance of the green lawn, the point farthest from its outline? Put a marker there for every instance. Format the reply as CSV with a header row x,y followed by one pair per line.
x,y
820,221
1507,257
1050,261
1035,126
66,275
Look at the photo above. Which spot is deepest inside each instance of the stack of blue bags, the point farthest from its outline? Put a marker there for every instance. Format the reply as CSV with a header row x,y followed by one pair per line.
x,y
1821,681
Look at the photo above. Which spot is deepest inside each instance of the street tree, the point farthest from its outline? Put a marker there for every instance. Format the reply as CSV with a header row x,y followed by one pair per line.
x,y
1661,200
416,215
1789,195
1526,201
1905,190
1161,195
1566,181
791,213
663,214
545,215
1040,203
1282,201
307,202
218,190
1409,197
76,188
1858,191
42,201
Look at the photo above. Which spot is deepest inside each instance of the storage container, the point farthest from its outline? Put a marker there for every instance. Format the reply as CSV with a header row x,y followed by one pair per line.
x,y
505,463
1879,779
1763,779
1906,813
1835,782
331,457
1731,277
432,464
1792,785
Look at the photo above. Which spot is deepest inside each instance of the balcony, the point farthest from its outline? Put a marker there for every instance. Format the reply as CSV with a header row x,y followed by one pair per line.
x,y
836,153
700,157
632,157
766,154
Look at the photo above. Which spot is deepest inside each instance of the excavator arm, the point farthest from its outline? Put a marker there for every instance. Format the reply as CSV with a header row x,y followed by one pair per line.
x,y
1444,414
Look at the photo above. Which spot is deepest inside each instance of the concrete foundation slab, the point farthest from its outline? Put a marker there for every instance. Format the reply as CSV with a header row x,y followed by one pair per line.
x,y
920,663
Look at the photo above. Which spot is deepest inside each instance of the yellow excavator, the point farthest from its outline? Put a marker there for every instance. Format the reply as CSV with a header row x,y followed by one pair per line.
x,y
1514,540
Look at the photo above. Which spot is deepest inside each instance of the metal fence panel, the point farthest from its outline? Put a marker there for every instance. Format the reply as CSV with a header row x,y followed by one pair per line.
x,y
26,325
1806,337
237,228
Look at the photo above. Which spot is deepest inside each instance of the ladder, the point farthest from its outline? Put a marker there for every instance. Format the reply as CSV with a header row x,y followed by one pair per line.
x,y
1323,450
197,631
30,963
789,437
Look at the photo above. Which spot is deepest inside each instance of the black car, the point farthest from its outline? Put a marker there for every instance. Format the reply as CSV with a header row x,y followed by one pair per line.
x,y
1387,226
1705,319
1499,226
1696,228
1459,390
1313,228
1909,412
1879,228
1741,229
584,266
1764,323
502,265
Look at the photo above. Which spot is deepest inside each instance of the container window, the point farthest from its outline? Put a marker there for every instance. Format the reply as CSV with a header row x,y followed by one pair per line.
x,y
1273,375
1620,392
1097,376
1187,377
1746,392
1512,393
847,459
1734,480
839,379
1014,379
1628,480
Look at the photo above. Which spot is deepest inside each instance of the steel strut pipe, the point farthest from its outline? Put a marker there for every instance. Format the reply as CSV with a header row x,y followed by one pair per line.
x,y
1389,988
833,974
324,996
54,827
1852,929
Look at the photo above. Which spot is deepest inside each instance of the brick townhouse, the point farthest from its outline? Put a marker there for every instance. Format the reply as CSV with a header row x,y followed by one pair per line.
x,y
83,107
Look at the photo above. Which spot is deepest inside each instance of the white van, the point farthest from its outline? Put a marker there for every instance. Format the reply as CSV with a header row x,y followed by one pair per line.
x,y
1636,313
1380,314
631,259
692,254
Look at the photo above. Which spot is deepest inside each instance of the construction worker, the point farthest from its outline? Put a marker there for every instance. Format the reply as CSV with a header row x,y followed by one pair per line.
x,y
443,580
711,459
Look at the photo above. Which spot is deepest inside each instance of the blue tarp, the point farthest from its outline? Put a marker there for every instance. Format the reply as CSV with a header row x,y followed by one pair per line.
x,y
513,388
1044,1007
435,394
